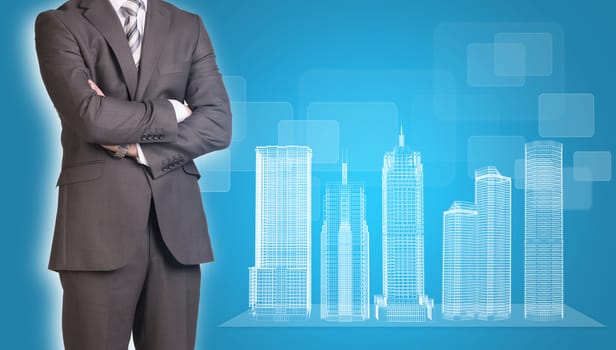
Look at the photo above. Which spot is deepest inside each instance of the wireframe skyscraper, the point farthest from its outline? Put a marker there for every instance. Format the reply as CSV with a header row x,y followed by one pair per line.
x,y
459,261
493,283
280,281
403,296
345,265
543,234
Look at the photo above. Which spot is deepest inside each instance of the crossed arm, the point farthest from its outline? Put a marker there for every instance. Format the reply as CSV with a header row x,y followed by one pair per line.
x,y
134,150
106,120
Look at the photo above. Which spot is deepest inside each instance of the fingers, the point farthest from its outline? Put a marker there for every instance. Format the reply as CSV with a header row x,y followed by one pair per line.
x,y
132,151
110,148
95,87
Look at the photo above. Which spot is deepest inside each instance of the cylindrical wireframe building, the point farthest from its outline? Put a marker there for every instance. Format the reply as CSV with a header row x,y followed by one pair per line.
x,y
543,232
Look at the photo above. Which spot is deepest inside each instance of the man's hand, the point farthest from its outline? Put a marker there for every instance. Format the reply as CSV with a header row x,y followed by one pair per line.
x,y
95,87
132,149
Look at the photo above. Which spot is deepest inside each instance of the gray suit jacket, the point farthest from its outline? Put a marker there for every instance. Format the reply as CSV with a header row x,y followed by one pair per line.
x,y
103,202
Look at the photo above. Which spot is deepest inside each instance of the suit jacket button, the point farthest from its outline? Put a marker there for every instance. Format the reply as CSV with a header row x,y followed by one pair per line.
x,y
143,138
161,137
155,137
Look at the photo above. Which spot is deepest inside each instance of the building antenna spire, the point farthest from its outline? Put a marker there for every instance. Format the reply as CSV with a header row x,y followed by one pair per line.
x,y
401,137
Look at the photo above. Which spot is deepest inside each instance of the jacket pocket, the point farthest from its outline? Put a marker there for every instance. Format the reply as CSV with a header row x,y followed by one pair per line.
x,y
81,172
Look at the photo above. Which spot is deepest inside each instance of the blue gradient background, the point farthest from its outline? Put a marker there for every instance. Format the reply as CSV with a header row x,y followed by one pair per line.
x,y
272,44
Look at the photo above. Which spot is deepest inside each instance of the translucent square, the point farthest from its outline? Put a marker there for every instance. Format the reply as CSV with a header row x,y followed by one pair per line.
x,y
366,130
538,50
481,66
577,195
509,60
262,120
215,169
364,101
238,120
235,86
592,166
323,137
386,85
236,89
566,115
498,151
450,43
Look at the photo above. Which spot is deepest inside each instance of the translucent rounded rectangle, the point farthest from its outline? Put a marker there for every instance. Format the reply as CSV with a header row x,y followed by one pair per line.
x,y
498,151
592,166
566,115
509,60
482,67
538,51
577,195
236,87
450,43
238,121
262,120
397,86
366,130
322,136
215,169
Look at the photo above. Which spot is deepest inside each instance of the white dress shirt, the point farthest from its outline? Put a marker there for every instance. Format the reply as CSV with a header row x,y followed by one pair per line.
x,y
181,112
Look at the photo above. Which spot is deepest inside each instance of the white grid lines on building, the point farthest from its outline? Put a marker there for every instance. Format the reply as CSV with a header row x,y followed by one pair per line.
x,y
345,286
280,281
543,239
459,261
403,297
493,204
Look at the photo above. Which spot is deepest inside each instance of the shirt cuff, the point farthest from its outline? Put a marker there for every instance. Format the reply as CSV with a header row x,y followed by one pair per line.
x,y
180,110
140,156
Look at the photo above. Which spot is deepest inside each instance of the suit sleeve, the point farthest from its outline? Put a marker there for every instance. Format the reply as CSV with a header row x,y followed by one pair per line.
x,y
96,119
208,129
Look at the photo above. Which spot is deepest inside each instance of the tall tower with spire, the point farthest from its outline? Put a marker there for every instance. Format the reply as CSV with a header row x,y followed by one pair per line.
x,y
404,297
345,265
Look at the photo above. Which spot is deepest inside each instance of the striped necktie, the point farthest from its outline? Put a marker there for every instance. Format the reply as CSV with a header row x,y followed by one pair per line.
x,y
130,8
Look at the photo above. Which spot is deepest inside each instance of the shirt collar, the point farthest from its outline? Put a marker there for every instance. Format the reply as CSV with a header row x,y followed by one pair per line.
x,y
118,3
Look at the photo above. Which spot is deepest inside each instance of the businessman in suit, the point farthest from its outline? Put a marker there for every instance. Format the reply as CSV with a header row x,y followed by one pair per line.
x,y
139,95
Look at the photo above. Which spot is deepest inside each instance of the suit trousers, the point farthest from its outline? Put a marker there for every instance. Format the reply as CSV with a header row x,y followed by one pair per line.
x,y
154,296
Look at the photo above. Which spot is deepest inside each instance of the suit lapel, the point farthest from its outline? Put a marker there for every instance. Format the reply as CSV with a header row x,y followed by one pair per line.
x,y
156,28
102,15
